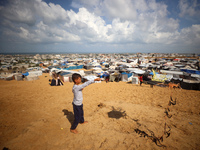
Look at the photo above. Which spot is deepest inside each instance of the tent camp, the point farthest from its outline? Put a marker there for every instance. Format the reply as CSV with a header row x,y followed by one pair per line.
x,y
6,76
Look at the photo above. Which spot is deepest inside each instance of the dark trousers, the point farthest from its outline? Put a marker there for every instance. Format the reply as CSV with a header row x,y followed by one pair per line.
x,y
78,116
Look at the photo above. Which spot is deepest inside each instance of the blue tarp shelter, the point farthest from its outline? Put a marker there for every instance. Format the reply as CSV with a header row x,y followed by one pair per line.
x,y
128,74
25,74
151,73
191,71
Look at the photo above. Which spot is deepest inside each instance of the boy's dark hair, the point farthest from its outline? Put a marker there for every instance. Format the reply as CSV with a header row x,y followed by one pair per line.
x,y
75,76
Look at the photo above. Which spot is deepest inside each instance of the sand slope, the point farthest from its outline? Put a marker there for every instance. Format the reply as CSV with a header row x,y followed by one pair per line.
x,y
35,115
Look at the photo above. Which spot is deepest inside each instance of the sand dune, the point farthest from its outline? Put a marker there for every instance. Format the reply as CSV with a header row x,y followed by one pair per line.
x,y
121,116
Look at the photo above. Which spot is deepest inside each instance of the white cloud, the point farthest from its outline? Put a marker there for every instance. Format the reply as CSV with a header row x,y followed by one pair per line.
x,y
18,11
191,35
119,9
188,8
50,13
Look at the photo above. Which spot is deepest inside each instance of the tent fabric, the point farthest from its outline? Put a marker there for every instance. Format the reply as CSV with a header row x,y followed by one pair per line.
x,y
9,77
31,77
190,86
176,80
151,73
191,71
67,79
36,73
161,77
89,72
74,67
114,76
88,78
124,77
65,73
25,74
128,74
134,80
18,77
66,76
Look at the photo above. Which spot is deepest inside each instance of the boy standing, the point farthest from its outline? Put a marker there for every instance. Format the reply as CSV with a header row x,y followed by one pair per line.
x,y
78,99
141,79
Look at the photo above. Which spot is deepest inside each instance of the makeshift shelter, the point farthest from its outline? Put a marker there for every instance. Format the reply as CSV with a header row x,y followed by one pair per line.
x,y
91,77
191,71
135,70
88,72
161,77
66,76
25,74
45,70
36,73
9,77
190,84
31,77
74,67
171,72
135,80
18,77
114,77
88,66
126,76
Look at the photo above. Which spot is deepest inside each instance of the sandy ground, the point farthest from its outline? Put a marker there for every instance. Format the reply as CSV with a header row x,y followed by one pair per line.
x,y
121,116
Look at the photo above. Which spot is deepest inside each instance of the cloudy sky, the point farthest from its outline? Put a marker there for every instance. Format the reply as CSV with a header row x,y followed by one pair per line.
x,y
99,26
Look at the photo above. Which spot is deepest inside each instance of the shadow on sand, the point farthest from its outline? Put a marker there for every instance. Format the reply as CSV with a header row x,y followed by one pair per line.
x,y
69,115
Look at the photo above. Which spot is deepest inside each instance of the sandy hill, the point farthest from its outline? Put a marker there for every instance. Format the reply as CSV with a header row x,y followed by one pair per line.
x,y
121,116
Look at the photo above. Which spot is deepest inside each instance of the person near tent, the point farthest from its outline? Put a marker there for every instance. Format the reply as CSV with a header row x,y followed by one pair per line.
x,y
55,81
141,79
78,99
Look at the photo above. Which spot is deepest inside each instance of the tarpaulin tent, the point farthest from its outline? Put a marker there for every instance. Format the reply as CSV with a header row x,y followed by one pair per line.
x,y
66,76
36,73
18,77
151,73
31,77
114,77
136,70
91,77
191,71
190,84
25,74
134,80
126,76
161,77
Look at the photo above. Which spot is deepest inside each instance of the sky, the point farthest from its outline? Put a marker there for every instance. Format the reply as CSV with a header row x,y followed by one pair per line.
x,y
99,26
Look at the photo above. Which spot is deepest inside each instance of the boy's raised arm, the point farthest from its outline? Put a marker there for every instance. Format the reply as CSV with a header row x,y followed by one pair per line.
x,y
88,83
